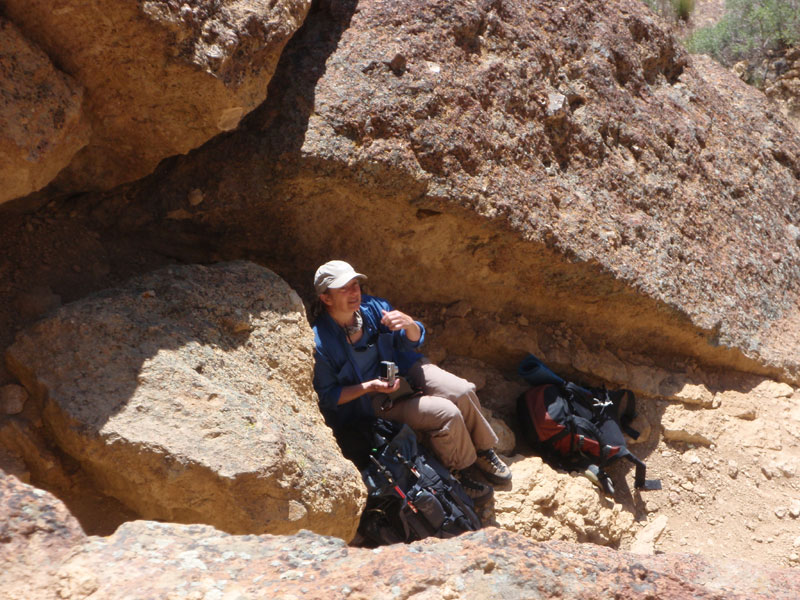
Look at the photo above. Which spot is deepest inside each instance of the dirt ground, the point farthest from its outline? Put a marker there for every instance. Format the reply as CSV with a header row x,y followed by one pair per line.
x,y
736,497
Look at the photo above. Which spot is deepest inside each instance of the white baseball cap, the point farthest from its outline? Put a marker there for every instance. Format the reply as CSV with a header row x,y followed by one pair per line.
x,y
334,274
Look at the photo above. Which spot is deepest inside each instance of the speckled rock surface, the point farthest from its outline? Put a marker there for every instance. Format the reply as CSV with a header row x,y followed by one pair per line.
x,y
42,124
187,395
144,559
564,162
43,554
161,77
37,533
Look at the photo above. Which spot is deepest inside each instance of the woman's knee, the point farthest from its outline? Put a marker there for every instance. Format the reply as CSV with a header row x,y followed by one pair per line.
x,y
443,414
446,384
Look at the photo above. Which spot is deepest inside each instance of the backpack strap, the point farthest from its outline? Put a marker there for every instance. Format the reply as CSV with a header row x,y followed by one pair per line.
x,y
641,468
577,440
628,414
598,402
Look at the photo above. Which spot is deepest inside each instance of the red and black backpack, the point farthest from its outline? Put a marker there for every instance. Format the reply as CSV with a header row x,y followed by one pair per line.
x,y
578,427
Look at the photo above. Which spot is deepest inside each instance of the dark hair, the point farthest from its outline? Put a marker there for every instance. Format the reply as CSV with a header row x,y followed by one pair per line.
x,y
314,309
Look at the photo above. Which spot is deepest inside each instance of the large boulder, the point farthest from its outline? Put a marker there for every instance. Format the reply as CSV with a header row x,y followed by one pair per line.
x,y
187,395
557,161
161,77
44,556
42,124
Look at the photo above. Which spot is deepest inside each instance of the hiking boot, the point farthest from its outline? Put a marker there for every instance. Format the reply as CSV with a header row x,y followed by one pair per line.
x,y
479,492
492,467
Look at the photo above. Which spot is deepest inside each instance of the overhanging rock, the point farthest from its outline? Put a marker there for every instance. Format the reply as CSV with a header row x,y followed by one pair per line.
x,y
558,161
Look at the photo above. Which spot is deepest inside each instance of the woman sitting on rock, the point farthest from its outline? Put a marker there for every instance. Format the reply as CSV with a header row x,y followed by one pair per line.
x,y
353,335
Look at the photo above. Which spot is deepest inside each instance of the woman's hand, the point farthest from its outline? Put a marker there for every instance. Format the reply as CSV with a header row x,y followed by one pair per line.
x,y
396,320
375,386
379,386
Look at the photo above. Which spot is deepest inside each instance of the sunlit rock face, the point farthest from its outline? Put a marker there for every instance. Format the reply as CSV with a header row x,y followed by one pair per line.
x,y
186,394
42,122
160,78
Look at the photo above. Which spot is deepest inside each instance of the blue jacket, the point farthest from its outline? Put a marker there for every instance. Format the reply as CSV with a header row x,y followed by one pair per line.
x,y
335,364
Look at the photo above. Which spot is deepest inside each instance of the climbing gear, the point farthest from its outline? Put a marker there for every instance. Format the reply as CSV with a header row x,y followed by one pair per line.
x,y
410,494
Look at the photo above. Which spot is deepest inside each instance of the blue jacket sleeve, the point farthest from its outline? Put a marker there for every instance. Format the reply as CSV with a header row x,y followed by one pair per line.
x,y
401,341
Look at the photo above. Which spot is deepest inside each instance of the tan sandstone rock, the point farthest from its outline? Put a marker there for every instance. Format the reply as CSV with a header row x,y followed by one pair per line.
x,y
773,389
506,440
546,505
691,426
161,77
682,388
785,90
42,124
12,399
13,464
640,424
187,395
645,540
31,457
738,404
468,368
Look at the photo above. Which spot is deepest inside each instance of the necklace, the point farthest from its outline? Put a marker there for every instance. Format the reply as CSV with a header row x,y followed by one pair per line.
x,y
356,327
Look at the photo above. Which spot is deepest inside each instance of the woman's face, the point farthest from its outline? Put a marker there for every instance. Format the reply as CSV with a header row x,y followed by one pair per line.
x,y
345,299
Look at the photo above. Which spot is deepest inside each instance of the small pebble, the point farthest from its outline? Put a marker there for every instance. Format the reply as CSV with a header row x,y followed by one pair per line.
x,y
12,399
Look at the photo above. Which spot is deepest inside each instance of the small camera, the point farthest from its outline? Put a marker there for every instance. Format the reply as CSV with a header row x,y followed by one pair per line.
x,y
388,372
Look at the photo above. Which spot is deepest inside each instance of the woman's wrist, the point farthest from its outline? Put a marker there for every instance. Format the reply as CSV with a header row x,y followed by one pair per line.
x,y
413,331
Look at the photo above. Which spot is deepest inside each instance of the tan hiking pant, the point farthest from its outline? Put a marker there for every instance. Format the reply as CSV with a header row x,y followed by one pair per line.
x,y
447,417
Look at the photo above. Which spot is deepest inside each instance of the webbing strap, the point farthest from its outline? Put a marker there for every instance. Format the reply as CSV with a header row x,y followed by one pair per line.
x,y
594,431
641,468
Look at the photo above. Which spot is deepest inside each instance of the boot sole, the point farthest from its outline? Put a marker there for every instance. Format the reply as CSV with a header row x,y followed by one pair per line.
x,y
495,479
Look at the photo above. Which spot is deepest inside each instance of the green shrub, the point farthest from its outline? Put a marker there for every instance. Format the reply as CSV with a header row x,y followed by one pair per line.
x,y
683,8
749,30
672,10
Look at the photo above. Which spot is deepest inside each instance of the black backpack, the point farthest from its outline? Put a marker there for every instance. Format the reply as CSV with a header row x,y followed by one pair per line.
x,y
577,427
411,495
